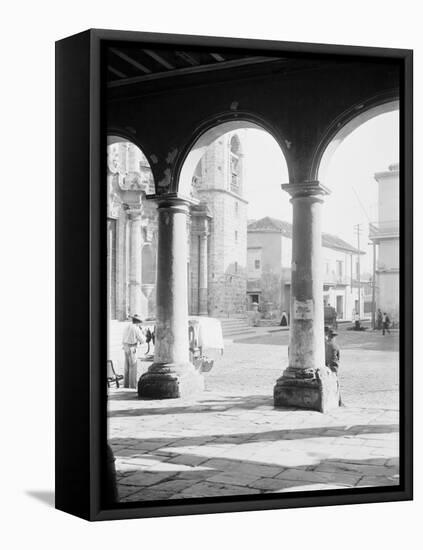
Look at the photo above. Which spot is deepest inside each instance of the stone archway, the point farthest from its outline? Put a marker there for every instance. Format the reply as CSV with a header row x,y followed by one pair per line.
x,y
209,132
129,181
370,114
343,126
213,175
186,211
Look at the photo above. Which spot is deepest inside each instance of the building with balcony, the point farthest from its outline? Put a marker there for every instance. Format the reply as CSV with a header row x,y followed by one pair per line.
x,y
384,234
269,253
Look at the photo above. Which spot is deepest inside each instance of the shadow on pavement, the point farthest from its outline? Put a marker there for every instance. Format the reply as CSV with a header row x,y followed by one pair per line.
x,y
270,435
222,476
200,405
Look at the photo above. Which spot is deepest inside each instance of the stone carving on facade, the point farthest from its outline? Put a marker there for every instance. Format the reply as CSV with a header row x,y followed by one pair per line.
x,y
115,164
137,181
131,182
114,201
195,186
148,230
130,167
114,205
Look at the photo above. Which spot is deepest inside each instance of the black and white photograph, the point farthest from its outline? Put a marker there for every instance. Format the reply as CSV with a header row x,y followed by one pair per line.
x,y
253,272
211,307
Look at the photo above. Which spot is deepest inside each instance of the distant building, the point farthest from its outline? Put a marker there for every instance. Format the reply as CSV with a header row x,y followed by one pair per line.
x,y
269,256
384,234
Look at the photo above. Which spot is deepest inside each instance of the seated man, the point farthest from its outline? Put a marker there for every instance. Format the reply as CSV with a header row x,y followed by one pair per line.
x,y
332,354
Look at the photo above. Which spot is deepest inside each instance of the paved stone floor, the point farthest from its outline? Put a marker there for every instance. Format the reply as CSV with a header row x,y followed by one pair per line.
x,y
232,441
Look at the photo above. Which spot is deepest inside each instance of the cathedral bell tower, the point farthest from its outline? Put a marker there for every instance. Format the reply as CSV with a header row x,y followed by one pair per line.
x,y
221,230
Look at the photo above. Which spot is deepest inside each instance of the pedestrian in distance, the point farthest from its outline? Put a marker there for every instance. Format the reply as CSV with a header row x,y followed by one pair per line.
x,y
284,320
379,319
386,323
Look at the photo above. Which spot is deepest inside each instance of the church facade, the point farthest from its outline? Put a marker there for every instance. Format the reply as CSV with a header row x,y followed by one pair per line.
x,y
217,232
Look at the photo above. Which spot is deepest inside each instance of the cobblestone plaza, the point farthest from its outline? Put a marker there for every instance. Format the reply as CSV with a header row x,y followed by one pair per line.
x,y
231,440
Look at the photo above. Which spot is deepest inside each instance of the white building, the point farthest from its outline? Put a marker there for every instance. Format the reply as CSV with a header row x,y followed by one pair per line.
x,y
385,236
269,253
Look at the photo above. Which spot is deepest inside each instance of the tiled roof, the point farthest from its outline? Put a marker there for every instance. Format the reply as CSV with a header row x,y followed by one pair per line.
x,y
273,225
332,241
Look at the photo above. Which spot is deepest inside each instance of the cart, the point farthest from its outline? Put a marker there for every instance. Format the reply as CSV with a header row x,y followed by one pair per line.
x,y
205,342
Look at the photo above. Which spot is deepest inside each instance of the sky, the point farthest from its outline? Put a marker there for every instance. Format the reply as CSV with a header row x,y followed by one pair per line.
x,y
370,148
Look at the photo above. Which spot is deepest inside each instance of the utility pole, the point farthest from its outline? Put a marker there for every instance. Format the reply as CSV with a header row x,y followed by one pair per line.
x,y
358,230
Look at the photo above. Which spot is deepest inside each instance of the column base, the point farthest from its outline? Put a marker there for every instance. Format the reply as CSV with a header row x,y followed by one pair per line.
x,y
170,381
311,389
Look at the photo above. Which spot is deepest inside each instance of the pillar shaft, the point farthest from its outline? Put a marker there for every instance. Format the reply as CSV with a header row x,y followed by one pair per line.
x,y
135,242
171,375
307,382
172,290
306,341
203,275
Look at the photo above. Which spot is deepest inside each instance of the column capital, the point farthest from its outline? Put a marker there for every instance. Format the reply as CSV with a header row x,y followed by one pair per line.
x,y
169,200
306,189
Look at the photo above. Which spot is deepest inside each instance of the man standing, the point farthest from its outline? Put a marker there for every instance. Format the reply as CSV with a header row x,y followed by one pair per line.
x,y
379,319
386,322
332,355
132,337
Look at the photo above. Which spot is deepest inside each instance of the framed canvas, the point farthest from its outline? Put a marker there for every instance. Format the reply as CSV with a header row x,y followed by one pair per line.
x,y
234,274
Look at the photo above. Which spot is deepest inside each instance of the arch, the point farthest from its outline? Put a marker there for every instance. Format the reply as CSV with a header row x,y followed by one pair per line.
x,y
209,132
343,126
118,136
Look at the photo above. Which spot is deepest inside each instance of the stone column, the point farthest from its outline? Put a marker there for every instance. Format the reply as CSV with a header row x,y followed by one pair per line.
x,y
171,374
135,242
307,383
203,273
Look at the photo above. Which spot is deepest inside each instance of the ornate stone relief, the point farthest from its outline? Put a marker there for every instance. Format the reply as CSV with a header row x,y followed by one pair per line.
x,y
130,167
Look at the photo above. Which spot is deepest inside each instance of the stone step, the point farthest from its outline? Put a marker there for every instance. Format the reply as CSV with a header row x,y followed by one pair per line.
x,y
234,327
230,335
230,327
226,321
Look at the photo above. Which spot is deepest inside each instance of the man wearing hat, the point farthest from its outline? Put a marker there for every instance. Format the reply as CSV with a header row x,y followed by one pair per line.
x,y
331,350
132,337
332,353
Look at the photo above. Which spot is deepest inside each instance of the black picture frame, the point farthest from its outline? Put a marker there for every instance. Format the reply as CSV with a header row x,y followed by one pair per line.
x,y
80,283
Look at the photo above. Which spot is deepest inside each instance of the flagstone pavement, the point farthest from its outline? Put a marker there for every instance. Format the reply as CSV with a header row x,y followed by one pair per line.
x,y
230,440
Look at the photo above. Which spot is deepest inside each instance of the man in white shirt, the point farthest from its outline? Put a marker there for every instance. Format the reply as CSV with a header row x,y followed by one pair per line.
x,y
132,337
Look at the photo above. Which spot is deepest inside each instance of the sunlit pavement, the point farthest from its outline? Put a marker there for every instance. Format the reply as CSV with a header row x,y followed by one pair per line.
x,y
232,441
